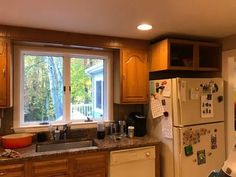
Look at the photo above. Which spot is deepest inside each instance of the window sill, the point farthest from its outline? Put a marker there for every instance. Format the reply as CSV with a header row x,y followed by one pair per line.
x,y
43,128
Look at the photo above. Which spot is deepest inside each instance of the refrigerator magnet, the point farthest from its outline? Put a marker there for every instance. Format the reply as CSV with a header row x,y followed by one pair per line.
x,y
188,150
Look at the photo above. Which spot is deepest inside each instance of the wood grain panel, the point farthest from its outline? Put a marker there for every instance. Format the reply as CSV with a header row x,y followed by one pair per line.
x,y
69,39
135,76
13,170
54,167
5,73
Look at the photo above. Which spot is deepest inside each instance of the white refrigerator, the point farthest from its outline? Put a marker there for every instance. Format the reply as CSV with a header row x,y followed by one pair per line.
x,y
187,115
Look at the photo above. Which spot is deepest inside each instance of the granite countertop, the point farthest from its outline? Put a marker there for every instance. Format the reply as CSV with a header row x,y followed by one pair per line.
x,y
107,144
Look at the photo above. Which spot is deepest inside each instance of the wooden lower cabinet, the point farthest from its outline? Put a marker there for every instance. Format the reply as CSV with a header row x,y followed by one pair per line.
x,y
12,170
93,173
84,165
50,168
90,165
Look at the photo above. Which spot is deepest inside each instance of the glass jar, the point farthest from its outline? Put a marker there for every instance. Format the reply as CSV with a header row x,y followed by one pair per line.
x,y
100,130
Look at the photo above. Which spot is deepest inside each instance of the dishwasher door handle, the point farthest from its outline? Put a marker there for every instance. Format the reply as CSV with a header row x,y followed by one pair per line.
x,y
148,154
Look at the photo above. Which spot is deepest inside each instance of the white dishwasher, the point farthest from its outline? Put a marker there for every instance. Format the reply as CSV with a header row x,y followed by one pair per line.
x,y
135,162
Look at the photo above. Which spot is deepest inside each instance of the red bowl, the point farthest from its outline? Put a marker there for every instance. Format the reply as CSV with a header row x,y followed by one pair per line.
x,y
14,141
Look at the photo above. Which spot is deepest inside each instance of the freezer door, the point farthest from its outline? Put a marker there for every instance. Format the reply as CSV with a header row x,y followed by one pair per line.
x,y
198,149
197,100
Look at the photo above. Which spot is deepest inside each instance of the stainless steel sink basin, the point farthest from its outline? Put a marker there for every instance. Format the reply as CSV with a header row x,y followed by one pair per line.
x,y
44,147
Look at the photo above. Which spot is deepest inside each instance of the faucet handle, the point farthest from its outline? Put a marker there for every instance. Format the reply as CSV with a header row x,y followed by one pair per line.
x,y
66,126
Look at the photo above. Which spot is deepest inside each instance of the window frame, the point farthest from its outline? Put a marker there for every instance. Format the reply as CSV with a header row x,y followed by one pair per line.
x,y
67,54
99,110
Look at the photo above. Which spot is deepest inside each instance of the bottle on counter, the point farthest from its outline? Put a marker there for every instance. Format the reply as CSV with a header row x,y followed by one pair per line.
x,y
57,134
100,129
122,125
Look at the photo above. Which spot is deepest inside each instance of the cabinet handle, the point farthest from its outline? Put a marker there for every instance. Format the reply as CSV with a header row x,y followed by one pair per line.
x,y
4,72
148,154
2,173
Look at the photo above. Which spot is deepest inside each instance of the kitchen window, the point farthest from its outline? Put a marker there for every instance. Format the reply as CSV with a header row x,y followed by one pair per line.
x,y
58,86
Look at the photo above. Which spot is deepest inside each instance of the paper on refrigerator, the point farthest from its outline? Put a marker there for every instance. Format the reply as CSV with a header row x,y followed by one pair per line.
x,y
166,127
156,107
166,119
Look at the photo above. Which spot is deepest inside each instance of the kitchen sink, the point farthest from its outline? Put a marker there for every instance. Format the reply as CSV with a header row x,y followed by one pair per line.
x,y
64,145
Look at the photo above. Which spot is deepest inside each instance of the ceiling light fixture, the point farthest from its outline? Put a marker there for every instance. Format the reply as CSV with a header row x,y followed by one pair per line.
x,y
144,27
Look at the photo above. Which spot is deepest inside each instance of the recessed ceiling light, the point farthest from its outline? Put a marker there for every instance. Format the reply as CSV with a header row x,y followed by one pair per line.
x,y
144,27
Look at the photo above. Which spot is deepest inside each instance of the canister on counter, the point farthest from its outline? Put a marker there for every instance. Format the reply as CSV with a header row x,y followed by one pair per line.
x,y
130,131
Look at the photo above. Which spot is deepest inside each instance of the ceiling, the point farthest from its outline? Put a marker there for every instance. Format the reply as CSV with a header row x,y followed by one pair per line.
x,y
207,18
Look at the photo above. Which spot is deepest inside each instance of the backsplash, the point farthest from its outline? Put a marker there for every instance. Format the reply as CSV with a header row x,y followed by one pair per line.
x,y
7,122
120,112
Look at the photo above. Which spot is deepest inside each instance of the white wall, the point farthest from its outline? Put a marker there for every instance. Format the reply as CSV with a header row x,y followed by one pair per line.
x,y
228,74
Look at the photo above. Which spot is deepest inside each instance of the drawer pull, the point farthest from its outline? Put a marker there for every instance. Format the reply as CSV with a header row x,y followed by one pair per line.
x,y
2,173
148,154
4,72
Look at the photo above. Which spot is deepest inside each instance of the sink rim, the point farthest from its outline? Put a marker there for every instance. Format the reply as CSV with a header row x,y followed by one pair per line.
x,y
64,143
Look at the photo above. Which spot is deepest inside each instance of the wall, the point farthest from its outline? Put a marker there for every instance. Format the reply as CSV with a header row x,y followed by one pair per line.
x,y
229,43
228,73
75,40
6,121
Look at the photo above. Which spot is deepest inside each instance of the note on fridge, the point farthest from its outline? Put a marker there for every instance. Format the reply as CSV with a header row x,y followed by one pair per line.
x,y
207,106
167,90
166,126
156,107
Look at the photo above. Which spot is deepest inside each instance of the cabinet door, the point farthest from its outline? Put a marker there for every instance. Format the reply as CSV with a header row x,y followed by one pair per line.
x,y
135,76
12,170
50,168
5,71
90,165
94,173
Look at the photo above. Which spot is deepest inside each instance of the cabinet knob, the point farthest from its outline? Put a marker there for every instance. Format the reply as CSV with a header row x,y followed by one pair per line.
x,y
148,154
2,173
4,72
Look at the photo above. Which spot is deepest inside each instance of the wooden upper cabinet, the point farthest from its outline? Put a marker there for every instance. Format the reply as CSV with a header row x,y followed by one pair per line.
x,y
5,73
131,76
174,54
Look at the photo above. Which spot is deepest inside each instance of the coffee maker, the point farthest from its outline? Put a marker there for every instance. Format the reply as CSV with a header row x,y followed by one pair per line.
x,y
138,120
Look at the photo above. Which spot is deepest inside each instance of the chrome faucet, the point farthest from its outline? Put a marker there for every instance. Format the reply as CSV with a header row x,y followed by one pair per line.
x,y
65,131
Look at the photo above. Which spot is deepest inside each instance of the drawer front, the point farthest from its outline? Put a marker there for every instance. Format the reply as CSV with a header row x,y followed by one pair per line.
x,y
13,170
94,173
52,168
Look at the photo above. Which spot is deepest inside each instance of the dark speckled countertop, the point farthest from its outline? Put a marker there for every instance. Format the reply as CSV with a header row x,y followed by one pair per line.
x,y
107,144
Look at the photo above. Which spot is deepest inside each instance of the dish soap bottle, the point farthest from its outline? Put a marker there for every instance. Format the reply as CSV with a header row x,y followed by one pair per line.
x,y
57,134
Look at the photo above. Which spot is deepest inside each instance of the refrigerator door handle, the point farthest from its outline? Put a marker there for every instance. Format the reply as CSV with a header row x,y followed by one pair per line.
x,y
179,103
180,141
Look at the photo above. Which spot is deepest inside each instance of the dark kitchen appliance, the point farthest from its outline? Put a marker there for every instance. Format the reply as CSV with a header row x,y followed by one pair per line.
x,y
138,120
